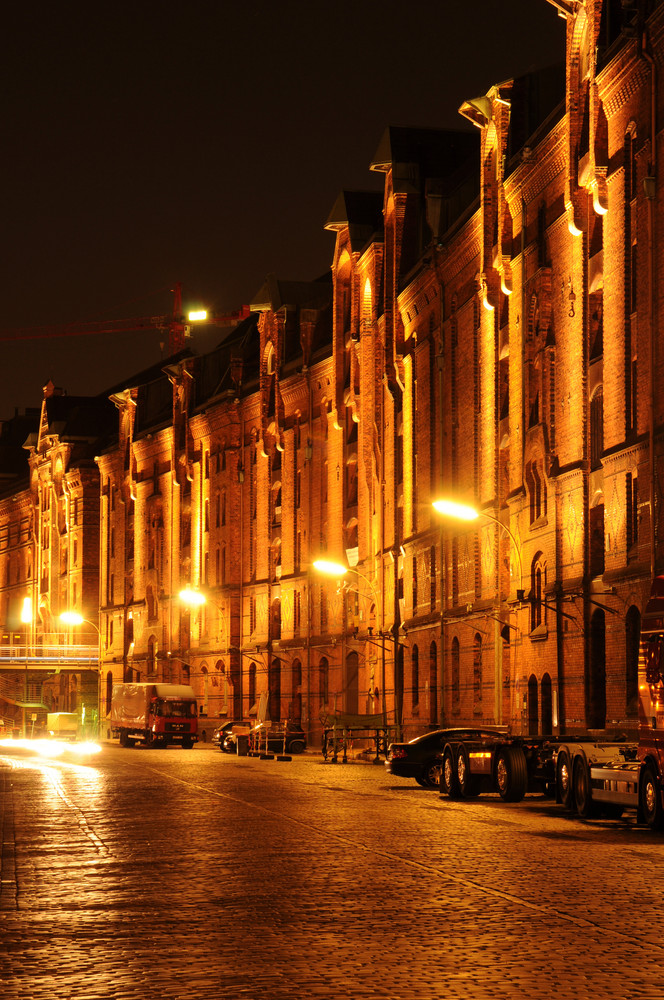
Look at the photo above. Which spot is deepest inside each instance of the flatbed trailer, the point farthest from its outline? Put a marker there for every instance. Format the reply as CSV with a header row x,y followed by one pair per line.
x,y
591,777
509,765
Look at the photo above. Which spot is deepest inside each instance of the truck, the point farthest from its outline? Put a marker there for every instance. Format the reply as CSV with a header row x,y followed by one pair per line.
x,y
62,725
154,714
590,777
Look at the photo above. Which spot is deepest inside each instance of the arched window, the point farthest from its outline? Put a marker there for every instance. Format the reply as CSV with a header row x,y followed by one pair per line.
x,y
455,673
296,691
632,633
352,683
252,687
150,659
323,682
537,592
433,684
477,672
597,428
533,718
596,711
415,676
547,706
275,690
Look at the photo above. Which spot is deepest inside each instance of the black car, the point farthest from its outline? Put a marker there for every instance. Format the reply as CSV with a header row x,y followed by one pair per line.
x,y
220,734
421,758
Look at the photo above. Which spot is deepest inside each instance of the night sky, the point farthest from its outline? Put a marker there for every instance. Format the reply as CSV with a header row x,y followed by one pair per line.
x,y
205,143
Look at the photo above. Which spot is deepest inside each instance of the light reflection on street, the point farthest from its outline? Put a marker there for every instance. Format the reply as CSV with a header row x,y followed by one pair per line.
x,y
52,748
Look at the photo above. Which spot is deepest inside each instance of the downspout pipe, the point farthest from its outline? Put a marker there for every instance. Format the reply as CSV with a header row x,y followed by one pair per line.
x,y
650,188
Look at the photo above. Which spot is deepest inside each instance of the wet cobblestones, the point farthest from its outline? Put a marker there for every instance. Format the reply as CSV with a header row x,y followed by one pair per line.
x,y
163,875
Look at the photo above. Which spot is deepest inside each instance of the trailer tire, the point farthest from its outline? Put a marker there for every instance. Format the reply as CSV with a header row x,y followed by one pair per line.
x,y
123,738
449,783
651,799
467,781
564,780
583,797
511,774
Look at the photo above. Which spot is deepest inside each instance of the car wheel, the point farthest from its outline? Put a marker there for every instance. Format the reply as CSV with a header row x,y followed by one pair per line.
x,y
467,781
564,780
420,780
583,798
449,783
511,774
651,799
431,773
296,746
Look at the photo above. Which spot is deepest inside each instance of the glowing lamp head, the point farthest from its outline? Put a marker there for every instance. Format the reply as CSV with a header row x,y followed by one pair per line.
x,y
194,597
71,618
197,316
330,568
460,511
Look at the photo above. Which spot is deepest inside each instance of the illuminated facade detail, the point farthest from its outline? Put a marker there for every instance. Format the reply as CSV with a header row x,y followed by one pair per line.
x,y
489,331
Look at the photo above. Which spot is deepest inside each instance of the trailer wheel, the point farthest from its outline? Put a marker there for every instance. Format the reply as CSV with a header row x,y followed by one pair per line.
x,y
512,774
467,781
583,797
651,799
564,780
123,738
449,783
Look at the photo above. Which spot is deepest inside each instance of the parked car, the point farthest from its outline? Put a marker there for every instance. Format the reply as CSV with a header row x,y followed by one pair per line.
x,y
220,734
296,741
422,758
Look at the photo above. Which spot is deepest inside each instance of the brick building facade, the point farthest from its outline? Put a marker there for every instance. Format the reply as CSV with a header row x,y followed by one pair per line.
x,y
489,333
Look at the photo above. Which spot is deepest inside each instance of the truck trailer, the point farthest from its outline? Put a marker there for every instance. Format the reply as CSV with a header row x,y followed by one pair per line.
x,y
154,714
591,777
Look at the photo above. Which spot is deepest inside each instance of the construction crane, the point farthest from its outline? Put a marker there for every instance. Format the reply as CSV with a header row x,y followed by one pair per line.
x,y
177,325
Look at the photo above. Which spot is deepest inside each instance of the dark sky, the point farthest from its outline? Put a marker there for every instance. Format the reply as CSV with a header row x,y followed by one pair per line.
x,y
205,143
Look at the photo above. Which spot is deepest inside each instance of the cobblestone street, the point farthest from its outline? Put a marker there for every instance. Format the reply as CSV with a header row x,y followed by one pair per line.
x,y
171,874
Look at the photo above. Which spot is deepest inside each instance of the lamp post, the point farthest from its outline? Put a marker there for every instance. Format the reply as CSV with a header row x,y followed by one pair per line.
x,y
26,618
464,512
337,570
197,599
73,618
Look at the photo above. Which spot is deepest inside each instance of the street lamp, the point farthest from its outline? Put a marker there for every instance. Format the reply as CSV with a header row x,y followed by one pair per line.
x,y
196,599
73,618
337,570
464,512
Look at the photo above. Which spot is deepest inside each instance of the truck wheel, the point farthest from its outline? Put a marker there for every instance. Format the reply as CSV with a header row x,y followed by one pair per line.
x,y
449,783
467,781
564,780
187,743
512,774
651,799
583,797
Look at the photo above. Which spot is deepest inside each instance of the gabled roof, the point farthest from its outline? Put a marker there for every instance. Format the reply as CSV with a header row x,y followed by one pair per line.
x,y
415,154
275,294
362,213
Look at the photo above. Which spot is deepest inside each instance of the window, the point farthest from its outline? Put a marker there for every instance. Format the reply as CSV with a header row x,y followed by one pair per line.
x,y
477,673
632,510
537,592
323,682
596,428
432,579
456,693
415,670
